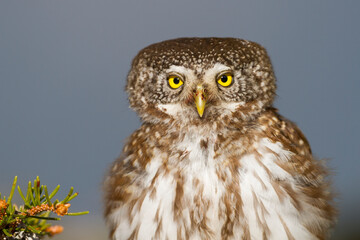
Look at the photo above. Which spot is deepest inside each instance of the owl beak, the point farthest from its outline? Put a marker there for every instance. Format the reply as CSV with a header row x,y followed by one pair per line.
x,y
200,99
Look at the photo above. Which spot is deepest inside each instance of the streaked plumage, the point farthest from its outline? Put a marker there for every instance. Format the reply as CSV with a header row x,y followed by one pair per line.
x,y
241,171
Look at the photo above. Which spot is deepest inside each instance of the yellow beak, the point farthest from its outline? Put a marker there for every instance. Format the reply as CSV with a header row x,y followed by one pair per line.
x,y
200,99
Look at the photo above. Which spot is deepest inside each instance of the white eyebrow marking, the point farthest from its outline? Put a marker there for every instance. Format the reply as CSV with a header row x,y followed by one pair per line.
x,y
220,67
179,69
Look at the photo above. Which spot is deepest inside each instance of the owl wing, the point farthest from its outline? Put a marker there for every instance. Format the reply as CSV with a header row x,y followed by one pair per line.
x,y
301,164
122,186
309,173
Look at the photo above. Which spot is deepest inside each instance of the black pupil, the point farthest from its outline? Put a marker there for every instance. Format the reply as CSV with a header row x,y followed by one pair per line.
x,y
176,80
224,78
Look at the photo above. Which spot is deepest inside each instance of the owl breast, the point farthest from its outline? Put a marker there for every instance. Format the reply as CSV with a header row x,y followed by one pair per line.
x,y
188,190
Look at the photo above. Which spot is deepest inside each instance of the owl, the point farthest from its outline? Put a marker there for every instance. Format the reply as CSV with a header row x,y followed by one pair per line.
x,y
213,159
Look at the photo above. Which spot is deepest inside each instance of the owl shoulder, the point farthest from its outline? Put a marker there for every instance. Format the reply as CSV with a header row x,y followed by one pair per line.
x,y
301,163
279,129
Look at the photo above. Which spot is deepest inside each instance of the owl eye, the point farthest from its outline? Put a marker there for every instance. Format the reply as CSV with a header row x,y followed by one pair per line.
x,y
175,81
225,79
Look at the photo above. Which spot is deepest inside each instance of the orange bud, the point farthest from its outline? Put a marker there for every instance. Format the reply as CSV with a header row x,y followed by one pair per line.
x,y
62,209
56,229
3,205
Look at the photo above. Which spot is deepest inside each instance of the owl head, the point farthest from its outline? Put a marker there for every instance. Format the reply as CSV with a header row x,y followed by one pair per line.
x,y
201,80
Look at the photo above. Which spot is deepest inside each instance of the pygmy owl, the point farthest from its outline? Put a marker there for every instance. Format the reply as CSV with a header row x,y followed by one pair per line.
x,y
213,159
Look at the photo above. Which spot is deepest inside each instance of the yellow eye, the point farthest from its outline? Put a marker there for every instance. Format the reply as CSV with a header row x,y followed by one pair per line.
x,y
225,79
175,82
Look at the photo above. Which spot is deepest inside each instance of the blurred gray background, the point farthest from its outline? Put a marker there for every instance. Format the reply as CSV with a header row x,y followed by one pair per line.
x,y
64,114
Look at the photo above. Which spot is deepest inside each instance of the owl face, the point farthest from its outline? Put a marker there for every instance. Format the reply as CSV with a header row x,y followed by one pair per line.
x,y
201,80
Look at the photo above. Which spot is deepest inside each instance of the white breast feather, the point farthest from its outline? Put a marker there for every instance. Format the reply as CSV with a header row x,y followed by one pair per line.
x,y
203,167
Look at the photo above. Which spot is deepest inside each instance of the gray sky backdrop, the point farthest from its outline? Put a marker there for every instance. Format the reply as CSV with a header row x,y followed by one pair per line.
x,y
64,114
